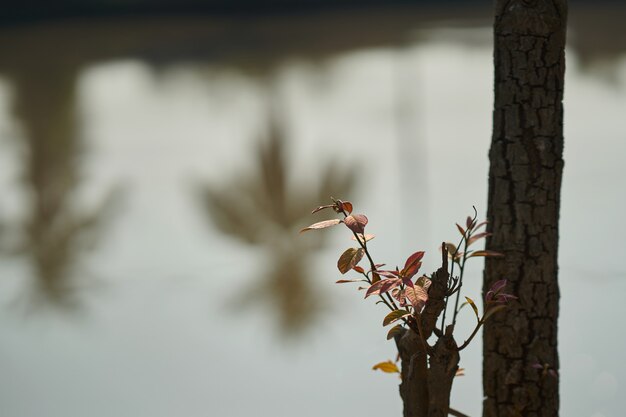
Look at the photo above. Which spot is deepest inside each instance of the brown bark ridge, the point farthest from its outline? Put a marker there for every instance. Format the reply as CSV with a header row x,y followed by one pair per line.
x,y
523,211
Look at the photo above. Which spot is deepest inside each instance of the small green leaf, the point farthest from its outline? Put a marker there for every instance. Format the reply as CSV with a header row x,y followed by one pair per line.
x,y
395,316
388,366
395,330
471,303
349,259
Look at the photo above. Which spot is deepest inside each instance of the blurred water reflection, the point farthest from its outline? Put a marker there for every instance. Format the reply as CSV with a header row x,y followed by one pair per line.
x,y
263,207
56,230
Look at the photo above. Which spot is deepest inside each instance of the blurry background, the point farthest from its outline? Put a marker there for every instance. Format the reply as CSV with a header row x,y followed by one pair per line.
x,y
157,159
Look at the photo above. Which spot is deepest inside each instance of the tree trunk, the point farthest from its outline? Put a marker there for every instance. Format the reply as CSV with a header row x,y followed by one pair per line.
x,y
524,198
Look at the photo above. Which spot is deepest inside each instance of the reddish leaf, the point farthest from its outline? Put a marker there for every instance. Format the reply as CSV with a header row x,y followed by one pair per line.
x,y
479,225
477,237
349,259
321,225
383,286
484,253
395,330
388,274
356,222
359,269
461,230
412,264
395,316
346,206
460,372
388,367
469,223
344,281
375,278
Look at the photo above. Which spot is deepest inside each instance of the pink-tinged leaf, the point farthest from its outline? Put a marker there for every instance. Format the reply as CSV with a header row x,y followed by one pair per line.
x,y
484,253
461,230
346,206
388,274
477,237
469,223
321,225
479,225
388,367
344,281
395,316
537,365
498,286
473,304
364,238
553,373
359,269
398,294
412,264
322,208
417,296
395,330
460,372
383,286
349,259
356,222
491,311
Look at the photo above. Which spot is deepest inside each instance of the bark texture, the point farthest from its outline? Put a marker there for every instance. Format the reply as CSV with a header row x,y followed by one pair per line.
x,y
427,371
524,194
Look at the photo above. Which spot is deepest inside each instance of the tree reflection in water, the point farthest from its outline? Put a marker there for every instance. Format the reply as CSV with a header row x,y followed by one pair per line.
x,y
264,210
55,231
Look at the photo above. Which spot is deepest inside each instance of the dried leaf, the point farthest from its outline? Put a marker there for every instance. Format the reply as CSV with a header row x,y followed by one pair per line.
x,y
322,208
473,304
349,259
395,330
356,222
388,367
321,225
395,316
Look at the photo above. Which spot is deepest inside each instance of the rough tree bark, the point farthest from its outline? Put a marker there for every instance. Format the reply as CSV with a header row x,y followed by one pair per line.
x,y
428,371
523,210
